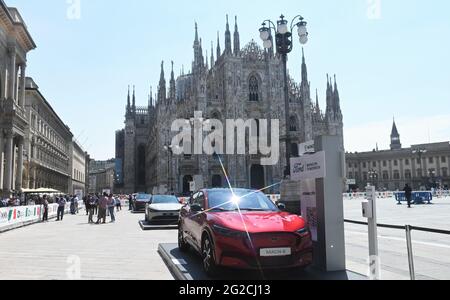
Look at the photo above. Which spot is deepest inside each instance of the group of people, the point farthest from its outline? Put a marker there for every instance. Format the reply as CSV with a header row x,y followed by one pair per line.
x,y
10,202
100,206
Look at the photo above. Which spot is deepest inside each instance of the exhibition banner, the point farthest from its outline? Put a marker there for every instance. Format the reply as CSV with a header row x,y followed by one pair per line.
x,y
311,166
21,214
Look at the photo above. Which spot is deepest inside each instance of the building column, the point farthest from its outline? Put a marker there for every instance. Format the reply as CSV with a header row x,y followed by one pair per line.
x,y
12,73
19,174
21,96
7,180
2,146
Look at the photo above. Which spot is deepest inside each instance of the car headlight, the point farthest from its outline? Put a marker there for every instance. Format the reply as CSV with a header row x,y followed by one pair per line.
x,y
227,232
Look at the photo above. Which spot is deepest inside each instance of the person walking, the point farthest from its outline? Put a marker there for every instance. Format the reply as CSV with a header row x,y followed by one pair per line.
x,y
86,204
102,207
90,206
111,207
130,202
96,201
45,206
408,194
118,203
61,207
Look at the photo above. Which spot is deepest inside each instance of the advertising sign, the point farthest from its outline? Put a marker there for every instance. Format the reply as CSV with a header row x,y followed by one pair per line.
x,y
311,166
309,205
305,148
14,215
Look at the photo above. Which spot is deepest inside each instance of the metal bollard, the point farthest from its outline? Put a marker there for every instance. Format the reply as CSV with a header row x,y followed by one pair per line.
x,y
410,252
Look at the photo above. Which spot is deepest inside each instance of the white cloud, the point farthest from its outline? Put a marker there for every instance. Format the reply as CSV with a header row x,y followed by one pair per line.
x,y
413,130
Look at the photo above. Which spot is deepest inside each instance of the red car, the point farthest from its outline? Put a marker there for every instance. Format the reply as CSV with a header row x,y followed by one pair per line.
x,y
243,229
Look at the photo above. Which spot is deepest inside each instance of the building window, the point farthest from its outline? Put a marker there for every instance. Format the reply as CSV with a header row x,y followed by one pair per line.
x,y
356,175
443,159
293,124
364,165
385,175
253,89
396,175
444,172
406,162
395,163
430,160
350,175
365,176
418,161
384,163
419,172
408,174
374,164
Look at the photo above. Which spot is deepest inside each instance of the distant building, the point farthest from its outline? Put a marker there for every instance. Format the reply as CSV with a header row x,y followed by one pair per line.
x,y
79,166
47,144
102,176
421,166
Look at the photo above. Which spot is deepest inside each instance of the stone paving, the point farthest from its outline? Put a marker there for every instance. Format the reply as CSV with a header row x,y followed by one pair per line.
x,y
431,251
122,250
111,251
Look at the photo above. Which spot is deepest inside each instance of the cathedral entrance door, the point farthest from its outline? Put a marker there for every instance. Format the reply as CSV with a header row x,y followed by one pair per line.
x,y
217,181
257,180
186,184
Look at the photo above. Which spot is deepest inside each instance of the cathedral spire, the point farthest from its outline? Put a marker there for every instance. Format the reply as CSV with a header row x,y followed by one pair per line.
x,y
128,99
219,51
304,68
337,100
317,103
206,60
228,39
162,85
196,32
172,91
237,43
134,99
212,54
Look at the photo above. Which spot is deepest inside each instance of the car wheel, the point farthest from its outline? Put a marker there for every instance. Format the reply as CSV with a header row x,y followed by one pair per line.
x,y
182,245
209,262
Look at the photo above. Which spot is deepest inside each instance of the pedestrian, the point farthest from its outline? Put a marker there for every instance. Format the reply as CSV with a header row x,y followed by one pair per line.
x,y
61,207
130,202
75,201
102,207
118,204
45,205
90,207
408,194
96,200
72,205
86,204
111,207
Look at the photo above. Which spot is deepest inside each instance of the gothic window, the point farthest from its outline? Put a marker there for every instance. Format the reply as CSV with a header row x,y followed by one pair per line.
x,y
293,124
253,85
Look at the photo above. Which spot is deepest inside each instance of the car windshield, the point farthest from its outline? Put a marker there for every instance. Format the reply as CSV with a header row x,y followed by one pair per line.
x,y
225,200
143,197
165,200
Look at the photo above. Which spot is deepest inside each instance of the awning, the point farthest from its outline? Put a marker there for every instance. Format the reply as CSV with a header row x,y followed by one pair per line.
x,y
41,191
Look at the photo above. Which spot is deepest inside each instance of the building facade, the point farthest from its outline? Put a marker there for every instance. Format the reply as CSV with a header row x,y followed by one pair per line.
x,y
423,166
79,165
236,83
102,176
15,43
47,151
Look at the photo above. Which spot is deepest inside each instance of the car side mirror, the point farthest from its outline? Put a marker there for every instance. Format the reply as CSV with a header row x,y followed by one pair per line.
x,y
196,208
281,206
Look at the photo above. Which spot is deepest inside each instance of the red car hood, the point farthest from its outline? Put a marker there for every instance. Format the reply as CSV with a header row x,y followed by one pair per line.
x,y
259,222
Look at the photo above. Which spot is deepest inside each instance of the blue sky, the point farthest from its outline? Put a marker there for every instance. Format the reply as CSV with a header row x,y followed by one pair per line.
x,y
392,64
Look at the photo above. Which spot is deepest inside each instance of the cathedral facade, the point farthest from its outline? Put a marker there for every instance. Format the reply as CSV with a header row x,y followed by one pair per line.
x,y
233,83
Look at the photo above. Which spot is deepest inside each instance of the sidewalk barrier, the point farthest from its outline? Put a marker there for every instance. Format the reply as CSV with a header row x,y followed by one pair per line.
x,y
409,245
19,216
417,197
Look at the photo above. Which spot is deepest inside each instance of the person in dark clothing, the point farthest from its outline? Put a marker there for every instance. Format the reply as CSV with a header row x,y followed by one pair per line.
x,y
45,206
61,207
408,194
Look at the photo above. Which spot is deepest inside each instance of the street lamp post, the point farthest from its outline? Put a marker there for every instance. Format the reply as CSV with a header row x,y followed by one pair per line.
x,y
284,45
373,175
169,150
420,152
